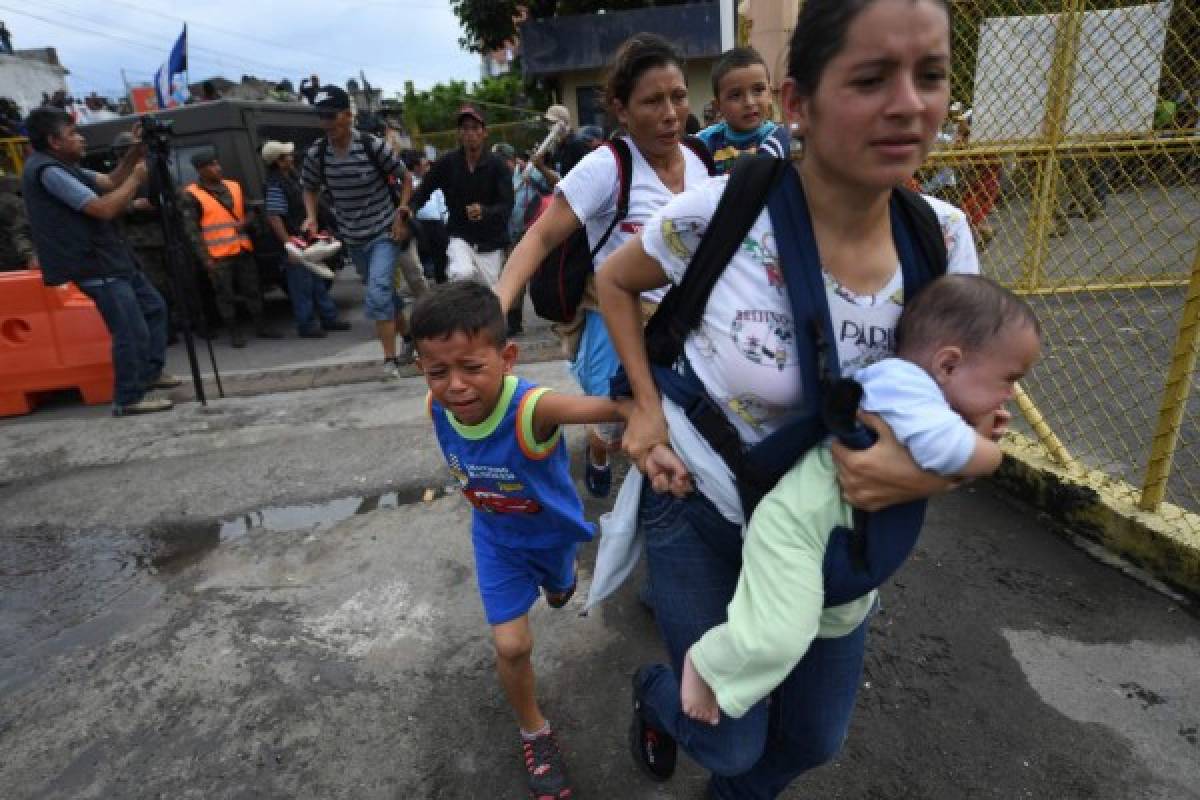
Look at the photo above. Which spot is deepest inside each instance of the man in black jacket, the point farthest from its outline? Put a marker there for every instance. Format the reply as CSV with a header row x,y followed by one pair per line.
x,y
479,198
71,212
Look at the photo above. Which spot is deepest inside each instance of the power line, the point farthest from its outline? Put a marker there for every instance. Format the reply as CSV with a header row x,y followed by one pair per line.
x,y
268,42
159,48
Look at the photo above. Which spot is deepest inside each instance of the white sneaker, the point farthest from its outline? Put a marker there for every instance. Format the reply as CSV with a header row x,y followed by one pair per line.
x,y
317,268
391,371
319,251
294,251
302,258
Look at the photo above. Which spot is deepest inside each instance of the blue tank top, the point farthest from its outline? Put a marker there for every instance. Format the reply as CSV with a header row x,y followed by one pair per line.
x,y
521,489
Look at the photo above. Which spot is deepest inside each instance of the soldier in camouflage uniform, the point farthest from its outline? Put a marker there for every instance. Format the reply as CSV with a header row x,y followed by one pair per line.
x,y
16,248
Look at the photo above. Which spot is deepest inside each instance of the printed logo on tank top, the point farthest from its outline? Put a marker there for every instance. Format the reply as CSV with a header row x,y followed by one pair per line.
x,y
765,338
632,228
767,257
682,235
500,495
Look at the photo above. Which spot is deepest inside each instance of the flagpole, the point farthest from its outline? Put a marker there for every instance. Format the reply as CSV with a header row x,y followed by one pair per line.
x,y
187,75
125,81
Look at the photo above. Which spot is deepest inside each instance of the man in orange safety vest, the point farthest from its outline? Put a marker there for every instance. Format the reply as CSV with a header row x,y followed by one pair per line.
x,y
220,237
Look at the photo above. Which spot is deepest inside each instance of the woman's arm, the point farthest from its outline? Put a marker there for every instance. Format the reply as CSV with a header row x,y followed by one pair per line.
x,y
551,229
884,474
626,274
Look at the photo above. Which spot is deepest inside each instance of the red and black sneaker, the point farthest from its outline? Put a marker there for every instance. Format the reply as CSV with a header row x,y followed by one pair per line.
x,y
547,772
653,749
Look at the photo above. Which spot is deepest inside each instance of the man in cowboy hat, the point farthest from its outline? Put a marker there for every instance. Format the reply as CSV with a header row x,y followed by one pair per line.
x,y
312,306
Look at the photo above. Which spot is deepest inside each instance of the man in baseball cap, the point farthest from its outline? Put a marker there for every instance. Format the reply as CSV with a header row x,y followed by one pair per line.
x,y
468,111
330,100
478,189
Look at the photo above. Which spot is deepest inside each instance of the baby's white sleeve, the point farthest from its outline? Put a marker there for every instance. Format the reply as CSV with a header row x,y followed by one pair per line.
x,y
913,406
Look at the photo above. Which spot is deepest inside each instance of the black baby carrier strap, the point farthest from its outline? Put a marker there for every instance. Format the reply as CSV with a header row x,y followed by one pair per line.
x,y
858,559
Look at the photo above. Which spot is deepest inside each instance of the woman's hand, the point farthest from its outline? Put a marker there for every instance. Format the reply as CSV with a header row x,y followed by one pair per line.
x,y
645,427
884,474
666,471
696,696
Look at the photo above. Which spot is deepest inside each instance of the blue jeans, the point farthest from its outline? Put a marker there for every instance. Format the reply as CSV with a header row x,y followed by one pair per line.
x,y
376,264
136,317
694,557
309,295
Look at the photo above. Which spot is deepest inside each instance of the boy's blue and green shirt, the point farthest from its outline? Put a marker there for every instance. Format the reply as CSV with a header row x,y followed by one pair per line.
x,y
521,489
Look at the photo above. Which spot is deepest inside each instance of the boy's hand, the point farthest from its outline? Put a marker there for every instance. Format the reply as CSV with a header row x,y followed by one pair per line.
x,y
1000,424
697,697
666,471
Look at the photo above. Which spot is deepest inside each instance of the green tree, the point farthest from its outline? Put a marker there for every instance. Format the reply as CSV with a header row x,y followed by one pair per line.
x,y
488,24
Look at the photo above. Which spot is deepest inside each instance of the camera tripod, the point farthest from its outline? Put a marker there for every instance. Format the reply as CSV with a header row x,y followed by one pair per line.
x,y
155,134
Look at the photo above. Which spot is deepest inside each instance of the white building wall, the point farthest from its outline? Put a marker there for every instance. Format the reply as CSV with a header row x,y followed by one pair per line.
x,y
24,80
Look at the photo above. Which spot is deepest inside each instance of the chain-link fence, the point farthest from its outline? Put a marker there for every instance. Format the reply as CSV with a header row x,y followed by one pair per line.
x,y
1073,148
524,135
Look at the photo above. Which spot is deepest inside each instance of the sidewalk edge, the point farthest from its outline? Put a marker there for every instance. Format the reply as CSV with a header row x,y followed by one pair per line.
x,y
1100,507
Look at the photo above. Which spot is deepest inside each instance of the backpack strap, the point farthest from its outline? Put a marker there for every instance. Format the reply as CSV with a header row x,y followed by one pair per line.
x,y
700,149
922,220
321,144
373,155
682,308
624,158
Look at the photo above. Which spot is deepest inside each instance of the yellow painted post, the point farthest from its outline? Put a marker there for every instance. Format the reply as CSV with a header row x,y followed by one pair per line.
x,y
1049,441
1058,101
1175,396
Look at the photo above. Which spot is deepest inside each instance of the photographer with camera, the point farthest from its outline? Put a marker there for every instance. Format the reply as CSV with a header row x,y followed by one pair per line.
x,y
71,212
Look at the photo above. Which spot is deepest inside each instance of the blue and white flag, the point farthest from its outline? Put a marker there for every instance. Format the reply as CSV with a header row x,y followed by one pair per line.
x,y
169,84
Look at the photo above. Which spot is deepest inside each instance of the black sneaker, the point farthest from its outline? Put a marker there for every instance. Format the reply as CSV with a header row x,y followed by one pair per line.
x,y
653,750
547,772
597,478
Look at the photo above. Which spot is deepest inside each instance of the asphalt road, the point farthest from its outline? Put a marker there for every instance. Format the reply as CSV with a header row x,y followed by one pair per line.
x,y
254,601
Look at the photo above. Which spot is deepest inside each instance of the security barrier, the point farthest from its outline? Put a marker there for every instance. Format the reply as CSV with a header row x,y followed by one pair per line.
x,y
51,338
1073,149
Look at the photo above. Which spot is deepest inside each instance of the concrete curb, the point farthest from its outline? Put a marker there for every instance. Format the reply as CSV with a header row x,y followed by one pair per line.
x,y
248,383
1100,507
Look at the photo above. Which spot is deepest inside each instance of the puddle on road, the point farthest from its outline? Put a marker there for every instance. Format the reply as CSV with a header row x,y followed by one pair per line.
x,y
316,517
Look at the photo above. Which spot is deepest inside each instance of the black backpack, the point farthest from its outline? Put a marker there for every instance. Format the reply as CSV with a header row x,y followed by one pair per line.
x,y
557,287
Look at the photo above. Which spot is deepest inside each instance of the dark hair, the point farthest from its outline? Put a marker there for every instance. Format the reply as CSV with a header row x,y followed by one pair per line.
x,y
44,122
465,307
963,310
411,158
736,58
820,34
692,126
636,55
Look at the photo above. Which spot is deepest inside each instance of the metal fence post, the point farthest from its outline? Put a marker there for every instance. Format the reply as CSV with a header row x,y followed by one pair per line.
x,y
1049,172
1175,396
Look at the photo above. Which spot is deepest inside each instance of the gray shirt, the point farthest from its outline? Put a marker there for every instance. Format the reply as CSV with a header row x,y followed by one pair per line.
x,y
362,197
67,188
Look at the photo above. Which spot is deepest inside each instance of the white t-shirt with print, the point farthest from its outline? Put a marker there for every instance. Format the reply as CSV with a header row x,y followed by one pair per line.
x,y
591,187
744,350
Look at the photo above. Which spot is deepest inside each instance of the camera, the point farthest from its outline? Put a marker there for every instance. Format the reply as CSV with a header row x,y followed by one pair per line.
x,y
156,132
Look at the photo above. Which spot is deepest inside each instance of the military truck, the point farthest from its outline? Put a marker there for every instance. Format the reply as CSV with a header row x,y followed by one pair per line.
x,y
237,130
